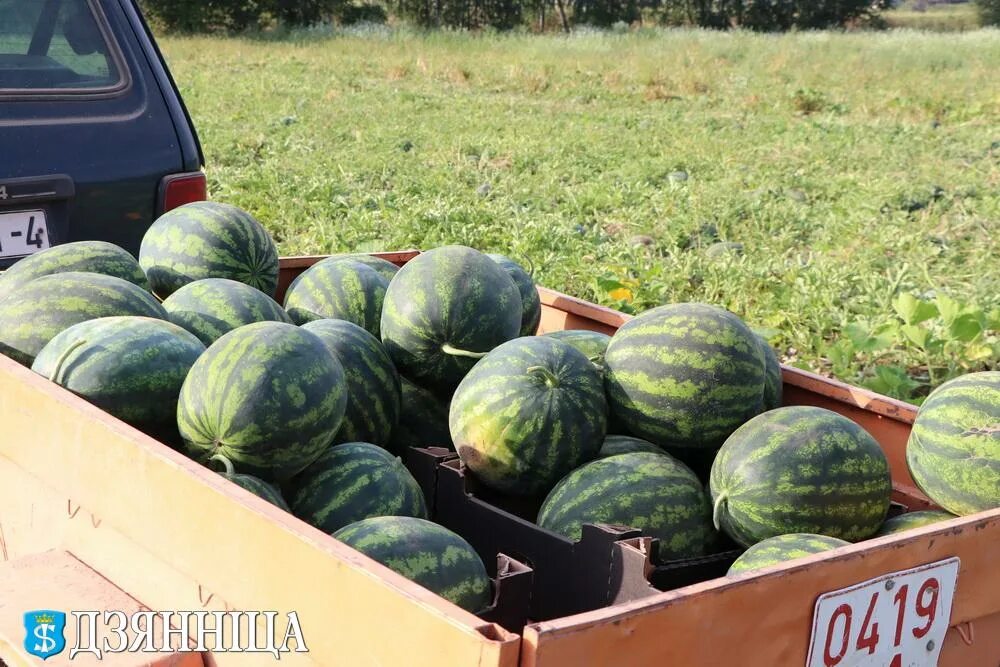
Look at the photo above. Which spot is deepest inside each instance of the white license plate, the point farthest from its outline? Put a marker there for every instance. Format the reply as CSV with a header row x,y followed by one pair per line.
x,y
897,620
22,233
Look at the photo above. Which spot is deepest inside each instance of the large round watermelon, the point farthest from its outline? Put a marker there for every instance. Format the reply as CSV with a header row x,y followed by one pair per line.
x,y
781,548
373,391
340,289
427,554
85,256
351,482
898,524
593,344
531,304
254,485
446,309
624,444
268,396
423,420
211,307
800,469
130,367
685,375
34,314
208,240
773,383
529,412
385,268
954,448
655,493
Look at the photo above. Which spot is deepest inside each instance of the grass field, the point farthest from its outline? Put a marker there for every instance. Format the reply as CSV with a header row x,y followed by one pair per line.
x,y
942,18
856,170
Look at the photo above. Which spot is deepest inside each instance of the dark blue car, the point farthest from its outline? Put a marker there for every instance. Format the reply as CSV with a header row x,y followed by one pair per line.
x,y
95,141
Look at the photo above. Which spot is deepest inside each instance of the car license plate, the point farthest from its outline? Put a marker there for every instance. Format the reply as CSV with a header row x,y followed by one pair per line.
x,y
897,620
22,233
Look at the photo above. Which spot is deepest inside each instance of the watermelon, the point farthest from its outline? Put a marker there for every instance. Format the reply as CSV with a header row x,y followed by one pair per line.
x,y
130,367
34,314
340,289
655,493
254,485
427,554
351,482
781,548
423,420
685,375
211,307
385,268
625,444
800,469
953,453
773,383
268,396
444,310
531,305
208,240
593,344
529,412
85,256
373,390
898,524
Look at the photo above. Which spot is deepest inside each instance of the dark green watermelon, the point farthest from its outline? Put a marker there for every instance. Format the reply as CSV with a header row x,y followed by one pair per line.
x,y
529,412
781,548
373,391
625,444
593,344
254,485
268,396
531,304
427,554
444,310
773,383
800,469
351,482
954,448
898,524
655,493
339,289
385,268
130,367
34,314
211,307
684,375
208,240
423,420
83,256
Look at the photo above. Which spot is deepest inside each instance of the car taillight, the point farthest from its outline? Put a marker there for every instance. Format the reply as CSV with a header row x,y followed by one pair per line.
x,y
179,189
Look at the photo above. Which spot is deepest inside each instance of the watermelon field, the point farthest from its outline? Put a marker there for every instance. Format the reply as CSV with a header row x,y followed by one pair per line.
x,y
838,191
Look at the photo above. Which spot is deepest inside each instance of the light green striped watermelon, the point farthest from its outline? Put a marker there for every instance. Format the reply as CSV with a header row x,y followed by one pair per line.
x,y
898,524
781,548
800,469
625,444
423,420
130,367
208,240
254,485
593,344
268,396
773,383
685,375
444,310
373,391
351,482
385,268
211,307
954,448
85,256
531,304
655,493
340,289
529,412
427,554
34,314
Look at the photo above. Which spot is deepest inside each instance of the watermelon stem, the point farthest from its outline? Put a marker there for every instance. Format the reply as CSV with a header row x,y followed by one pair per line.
x,y
63,358
548,376
454,351
230,470
717,510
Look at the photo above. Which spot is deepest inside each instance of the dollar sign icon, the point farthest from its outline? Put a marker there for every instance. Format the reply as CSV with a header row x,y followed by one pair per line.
x,y
47,644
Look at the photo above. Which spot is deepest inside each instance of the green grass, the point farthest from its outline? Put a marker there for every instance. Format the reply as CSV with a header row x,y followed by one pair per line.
x,y
940,18
851,167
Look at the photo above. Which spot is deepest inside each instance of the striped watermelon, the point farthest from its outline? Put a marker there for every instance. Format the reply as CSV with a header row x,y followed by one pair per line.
x,y
340,289
208,240
593,344
423,420
781,548
625,444
130,367
211,307
351,482
427,554
800,469
529,412
531,305
254,485
444,310
954,448
655,493
685,375
373,391
34,314
268,396
385,268
898,524
85,256
773,384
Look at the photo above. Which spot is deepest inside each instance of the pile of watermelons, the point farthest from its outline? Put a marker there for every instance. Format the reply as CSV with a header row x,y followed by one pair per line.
x,y
674,425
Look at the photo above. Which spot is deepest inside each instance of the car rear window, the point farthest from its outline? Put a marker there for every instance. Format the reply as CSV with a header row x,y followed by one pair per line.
x,y
56,46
